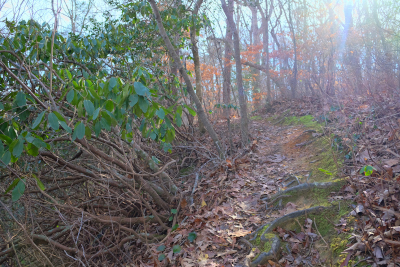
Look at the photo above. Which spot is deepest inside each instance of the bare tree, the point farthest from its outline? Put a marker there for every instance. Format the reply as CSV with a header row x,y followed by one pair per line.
x,y
77,12
244,122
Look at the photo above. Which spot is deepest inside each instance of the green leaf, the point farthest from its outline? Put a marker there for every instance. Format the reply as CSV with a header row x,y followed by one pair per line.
x,y
1,106
161,248
160,113
38,120
325,171
88,133
140,89
18,191
174,227
125,91
143,104
179,110
69,74
20,99
161,257
96,113
176,249
6,158
80,130
153,136
105,124
167,147
178,120
97,128
59,116
109,105
112,83
40,143
192,236
156,160
66,127
174,211
133,100
168,123
367,170
70,95
94,93
89,107
6,139
53,121
191,111
39,183
12,186
18,148
32,150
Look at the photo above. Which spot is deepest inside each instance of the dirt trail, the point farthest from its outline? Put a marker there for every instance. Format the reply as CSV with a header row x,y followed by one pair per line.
x,y
238,202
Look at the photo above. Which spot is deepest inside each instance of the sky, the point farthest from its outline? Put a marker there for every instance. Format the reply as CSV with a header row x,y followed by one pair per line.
x,y
41,11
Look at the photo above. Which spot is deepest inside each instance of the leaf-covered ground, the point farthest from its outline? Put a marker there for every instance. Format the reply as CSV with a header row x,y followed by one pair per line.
x,y
353,148
231,202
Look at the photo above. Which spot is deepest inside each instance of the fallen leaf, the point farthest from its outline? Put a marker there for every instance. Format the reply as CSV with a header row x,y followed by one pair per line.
x,y
239,233
183,203
391,162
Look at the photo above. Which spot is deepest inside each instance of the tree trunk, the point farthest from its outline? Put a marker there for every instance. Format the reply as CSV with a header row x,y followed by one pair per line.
x,y
293,82
226,74
196,60
255,34
183,72
244,124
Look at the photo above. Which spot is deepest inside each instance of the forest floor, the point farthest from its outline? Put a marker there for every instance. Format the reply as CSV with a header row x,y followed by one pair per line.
x,y
236,200
318,186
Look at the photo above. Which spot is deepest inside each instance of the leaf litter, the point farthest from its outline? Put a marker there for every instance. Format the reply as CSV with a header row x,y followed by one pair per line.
x,y
232,202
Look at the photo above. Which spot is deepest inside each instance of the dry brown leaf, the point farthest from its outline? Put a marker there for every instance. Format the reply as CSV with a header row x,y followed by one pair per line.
x,y
391,162
239,233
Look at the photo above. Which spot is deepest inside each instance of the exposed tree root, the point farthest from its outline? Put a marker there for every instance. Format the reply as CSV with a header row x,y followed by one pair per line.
x,y
268,236
300,187
263,257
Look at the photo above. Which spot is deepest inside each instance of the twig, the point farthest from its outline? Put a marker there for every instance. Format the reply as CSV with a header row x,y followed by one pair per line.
x,y
26,233
316,228
194,188
15,252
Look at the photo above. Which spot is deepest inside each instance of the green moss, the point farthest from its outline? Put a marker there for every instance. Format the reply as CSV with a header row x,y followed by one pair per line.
x,y
325,220
327,159
272,118
338,244
307,121
263,246
256,118
315,196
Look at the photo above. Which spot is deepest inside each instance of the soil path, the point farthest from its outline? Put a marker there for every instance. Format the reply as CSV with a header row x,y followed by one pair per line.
x,y
237,202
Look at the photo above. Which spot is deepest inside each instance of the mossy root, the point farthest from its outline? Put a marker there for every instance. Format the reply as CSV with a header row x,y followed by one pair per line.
x,y
275,241
302,187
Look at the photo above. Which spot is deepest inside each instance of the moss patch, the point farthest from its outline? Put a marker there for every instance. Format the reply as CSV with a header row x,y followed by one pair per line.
x,y
313,197
325,220
326,158
263,246
307,121
256,118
